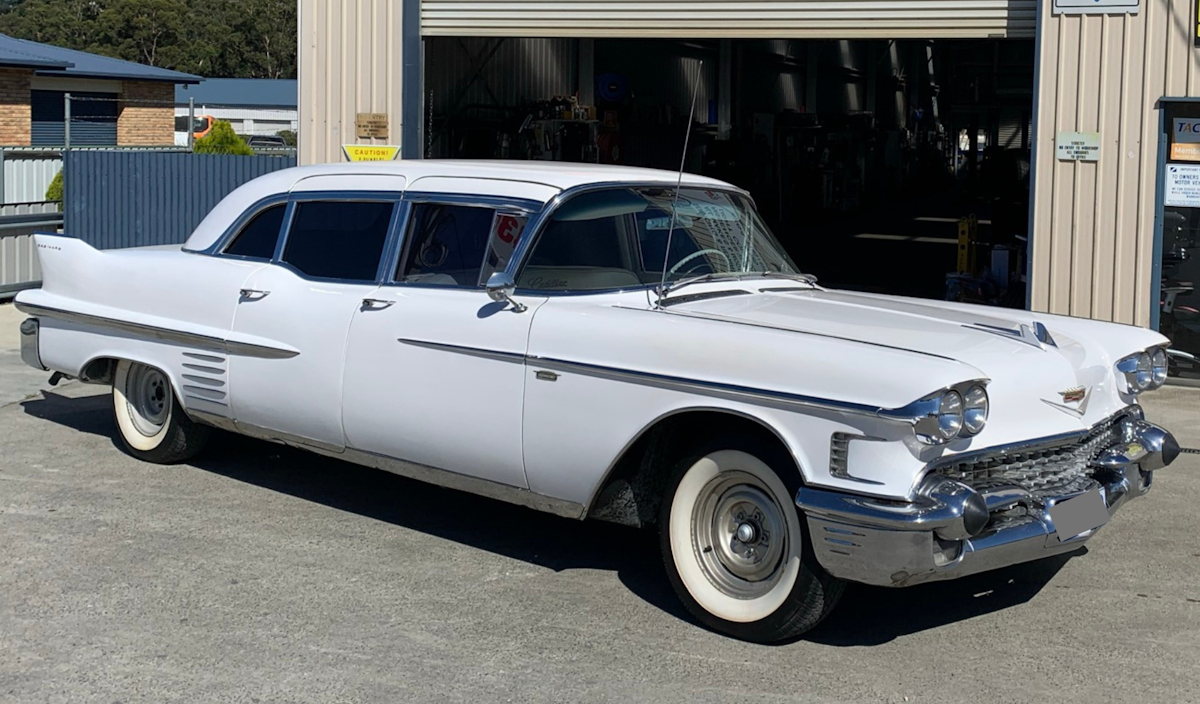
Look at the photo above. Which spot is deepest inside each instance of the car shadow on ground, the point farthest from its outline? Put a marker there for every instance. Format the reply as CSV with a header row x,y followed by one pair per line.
x,y
867,615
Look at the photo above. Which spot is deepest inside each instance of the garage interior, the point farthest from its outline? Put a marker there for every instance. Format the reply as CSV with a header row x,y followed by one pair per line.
x,y
891,166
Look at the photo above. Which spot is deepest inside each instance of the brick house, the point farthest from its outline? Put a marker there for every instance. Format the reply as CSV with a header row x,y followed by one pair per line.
x,y
113,102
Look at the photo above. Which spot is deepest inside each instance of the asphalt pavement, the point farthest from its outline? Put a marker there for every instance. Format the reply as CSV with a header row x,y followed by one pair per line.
x,y
258,573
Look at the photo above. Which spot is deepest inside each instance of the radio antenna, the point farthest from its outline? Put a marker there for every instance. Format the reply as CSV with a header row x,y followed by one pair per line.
x,y
687,135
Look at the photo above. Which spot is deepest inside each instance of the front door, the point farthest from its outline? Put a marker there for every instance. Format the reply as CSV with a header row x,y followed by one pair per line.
x,y
435,370
303,303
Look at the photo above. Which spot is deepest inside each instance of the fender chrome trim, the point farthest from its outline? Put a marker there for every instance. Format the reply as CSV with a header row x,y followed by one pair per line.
x,y
733,392
154,332
499,356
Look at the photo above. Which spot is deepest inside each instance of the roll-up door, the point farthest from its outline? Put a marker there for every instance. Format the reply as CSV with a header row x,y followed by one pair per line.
x,y
792,19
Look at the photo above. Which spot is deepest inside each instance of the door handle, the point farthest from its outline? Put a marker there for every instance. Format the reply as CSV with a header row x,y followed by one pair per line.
x,y
376,304
254,294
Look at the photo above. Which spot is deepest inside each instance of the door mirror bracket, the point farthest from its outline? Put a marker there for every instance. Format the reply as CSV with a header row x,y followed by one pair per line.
x,y
500,287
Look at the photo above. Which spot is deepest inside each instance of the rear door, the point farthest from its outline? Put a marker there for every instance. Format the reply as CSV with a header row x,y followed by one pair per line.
x,y
328,263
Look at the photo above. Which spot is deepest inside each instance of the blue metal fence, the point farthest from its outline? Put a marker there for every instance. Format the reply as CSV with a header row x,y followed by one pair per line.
x,y
114,199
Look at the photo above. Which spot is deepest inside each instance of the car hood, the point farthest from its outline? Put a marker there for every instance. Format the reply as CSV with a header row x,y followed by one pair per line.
x,y
1027,376
890,321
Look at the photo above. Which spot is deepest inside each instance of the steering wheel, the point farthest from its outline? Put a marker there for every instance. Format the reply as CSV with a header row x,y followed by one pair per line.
x,y
693,255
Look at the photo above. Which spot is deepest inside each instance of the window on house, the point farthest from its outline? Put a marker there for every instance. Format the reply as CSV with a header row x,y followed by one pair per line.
x,y
93,118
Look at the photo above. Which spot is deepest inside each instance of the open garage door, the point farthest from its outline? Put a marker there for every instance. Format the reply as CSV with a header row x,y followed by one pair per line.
x,y
772,19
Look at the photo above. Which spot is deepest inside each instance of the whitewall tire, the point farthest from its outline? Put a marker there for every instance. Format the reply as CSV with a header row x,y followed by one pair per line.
x,y
735,547
152,425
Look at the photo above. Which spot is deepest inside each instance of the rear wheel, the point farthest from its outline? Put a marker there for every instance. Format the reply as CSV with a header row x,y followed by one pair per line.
x,y
735,549
152,425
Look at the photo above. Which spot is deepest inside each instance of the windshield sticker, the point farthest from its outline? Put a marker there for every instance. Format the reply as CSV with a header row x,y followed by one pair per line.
x,y
664,223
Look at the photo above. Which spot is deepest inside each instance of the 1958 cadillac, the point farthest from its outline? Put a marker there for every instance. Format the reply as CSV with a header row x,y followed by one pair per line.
x,y
623,344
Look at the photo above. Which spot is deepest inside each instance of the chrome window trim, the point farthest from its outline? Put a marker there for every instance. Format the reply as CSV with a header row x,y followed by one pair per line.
x,y
217,248
519,207
396,201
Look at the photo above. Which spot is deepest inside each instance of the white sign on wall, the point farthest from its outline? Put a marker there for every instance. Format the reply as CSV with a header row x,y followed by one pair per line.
x,y
1077,146
1183,186
1097,7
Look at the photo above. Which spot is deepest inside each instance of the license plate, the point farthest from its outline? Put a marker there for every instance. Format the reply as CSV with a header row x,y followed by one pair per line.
x,y
1079,514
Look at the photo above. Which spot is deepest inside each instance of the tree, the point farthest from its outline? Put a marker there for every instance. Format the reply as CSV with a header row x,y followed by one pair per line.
x,y
225,38
54,192
221,139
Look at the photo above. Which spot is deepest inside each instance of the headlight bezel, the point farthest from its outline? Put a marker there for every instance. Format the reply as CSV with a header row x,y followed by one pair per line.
x,y
1138,372
933,415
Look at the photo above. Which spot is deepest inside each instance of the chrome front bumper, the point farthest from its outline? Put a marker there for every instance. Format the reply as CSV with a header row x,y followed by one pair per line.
x,y
953,531
29,343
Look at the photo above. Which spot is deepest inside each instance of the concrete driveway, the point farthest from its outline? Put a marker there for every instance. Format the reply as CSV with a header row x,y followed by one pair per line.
x,y
263,574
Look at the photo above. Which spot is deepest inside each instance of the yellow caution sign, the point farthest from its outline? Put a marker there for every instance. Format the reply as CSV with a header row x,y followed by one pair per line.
x,y
370,152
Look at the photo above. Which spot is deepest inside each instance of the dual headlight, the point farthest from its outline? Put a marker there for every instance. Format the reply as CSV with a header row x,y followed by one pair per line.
x,y
1143,371
958,412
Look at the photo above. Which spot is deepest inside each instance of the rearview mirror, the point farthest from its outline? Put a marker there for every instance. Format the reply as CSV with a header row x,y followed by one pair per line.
x,y
500,287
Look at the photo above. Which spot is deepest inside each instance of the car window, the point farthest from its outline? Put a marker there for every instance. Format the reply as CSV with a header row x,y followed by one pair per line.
x,y
445,244
338,240
259,236
581,248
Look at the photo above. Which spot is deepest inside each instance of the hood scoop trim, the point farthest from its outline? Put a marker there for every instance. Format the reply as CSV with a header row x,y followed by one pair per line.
x,y
1037,335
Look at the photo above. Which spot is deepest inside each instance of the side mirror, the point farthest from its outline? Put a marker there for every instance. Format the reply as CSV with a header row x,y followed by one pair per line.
x,y
500,287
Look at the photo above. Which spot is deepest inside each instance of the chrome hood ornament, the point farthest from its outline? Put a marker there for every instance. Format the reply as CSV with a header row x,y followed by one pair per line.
x,y
1037,335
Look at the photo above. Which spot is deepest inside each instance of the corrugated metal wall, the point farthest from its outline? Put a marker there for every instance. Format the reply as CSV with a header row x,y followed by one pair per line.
x,y
1093,222
841,19
116,199
18,257
515,70
26,176
349,62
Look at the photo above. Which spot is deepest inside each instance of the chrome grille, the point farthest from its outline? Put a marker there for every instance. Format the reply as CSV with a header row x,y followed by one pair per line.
x,y
1053,470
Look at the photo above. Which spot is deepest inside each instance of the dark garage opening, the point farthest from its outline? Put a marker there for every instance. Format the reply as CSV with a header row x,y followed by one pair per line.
x,y
868,158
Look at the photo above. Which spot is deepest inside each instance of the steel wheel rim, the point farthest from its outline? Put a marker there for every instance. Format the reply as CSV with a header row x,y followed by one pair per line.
x,y
148,396
740,535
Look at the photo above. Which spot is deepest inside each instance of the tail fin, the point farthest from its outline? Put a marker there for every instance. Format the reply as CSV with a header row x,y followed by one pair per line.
x,y
67,264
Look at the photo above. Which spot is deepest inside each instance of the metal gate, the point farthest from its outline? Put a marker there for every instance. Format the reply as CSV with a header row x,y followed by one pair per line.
x,y
114,199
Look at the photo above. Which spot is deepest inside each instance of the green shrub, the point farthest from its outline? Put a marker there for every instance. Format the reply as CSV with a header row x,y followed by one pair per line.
x,y
289,137
54,192
221,139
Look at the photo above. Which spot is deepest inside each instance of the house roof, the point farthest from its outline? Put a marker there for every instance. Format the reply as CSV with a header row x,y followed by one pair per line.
x,y
241,93
49,60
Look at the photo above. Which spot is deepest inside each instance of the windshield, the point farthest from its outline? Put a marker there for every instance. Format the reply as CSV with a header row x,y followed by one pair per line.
x,y
626,237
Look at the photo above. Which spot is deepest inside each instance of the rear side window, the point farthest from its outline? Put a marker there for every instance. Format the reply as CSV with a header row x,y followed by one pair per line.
x,y
338,240
446,245
257,239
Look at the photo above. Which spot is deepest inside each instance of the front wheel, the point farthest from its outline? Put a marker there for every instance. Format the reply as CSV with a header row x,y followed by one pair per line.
x,y
735,550
152,425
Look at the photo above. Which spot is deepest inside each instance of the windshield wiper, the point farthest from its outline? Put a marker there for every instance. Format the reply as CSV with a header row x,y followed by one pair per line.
x,y
711,276
803,278
735,276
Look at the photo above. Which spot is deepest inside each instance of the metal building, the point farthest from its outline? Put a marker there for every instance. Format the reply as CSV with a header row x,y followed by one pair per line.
x,y
1087,95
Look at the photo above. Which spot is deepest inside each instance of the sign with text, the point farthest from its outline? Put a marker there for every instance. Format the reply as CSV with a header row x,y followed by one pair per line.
x,y
371,124
1183,186
1185,139
1077,146
370,152
1097,7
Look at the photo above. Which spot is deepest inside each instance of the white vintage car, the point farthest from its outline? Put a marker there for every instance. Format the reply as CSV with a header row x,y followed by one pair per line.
x,y
623,344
